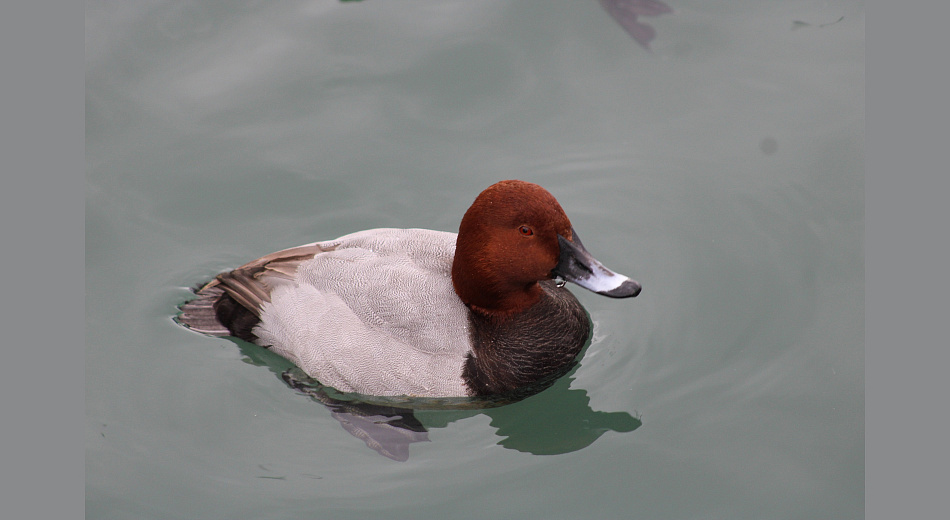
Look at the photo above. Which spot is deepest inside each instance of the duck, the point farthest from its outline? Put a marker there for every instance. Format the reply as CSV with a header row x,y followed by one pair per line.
x,y
422,313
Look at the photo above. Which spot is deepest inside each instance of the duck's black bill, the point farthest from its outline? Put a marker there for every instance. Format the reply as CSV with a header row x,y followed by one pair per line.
x,y
578,266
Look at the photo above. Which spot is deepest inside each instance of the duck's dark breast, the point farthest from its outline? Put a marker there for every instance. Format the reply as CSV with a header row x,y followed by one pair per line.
x,y
531,349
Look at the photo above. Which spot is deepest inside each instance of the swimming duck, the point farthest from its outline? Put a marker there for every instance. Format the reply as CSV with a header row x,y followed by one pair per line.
x,y
421,313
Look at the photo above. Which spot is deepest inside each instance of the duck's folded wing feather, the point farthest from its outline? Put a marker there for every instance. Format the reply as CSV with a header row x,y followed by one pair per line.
x,y
249,285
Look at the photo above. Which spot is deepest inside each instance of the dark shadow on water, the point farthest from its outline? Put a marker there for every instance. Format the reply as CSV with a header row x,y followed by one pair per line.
x,y
627,13
554,420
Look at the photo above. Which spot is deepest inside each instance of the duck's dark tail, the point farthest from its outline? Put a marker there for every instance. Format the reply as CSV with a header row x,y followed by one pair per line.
x,y
199,314
230,305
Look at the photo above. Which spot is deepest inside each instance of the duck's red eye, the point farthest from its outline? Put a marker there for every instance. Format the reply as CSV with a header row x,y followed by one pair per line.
x,y
526,231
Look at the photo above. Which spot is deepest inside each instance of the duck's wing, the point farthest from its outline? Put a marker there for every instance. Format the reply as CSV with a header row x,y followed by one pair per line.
x,y
249,286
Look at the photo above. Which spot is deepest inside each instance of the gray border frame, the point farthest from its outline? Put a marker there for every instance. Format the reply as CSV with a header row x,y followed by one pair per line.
x,y
41,210
905,227
906,259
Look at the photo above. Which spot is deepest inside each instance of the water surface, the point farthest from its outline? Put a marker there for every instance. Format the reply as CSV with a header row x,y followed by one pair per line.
x,y
721,166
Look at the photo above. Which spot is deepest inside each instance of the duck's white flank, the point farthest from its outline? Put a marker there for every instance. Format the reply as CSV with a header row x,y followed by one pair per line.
x,y
375,311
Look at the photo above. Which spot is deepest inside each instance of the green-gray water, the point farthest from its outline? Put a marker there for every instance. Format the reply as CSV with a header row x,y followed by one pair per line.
x,y
723,169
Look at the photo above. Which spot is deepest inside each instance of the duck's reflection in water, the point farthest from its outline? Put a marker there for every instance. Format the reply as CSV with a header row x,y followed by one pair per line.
x,y
552,420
